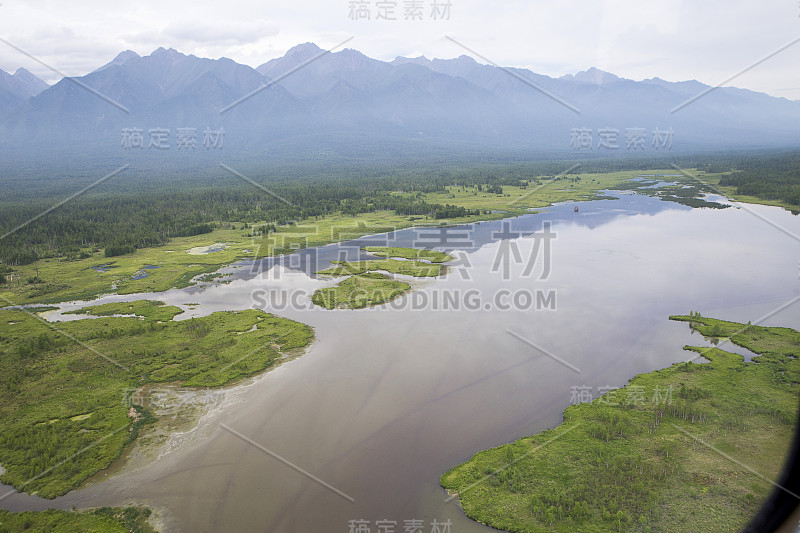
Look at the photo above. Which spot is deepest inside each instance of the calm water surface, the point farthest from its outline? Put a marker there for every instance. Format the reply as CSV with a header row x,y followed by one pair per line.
x,y
389,398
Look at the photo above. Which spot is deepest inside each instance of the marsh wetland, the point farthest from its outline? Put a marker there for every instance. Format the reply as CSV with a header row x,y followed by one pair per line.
x,y
389,397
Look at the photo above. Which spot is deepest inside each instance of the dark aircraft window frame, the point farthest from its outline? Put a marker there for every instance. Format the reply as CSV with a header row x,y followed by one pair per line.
x,y
781,510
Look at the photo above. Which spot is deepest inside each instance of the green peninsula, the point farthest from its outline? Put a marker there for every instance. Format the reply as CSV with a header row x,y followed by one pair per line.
x,y
663,453
65,387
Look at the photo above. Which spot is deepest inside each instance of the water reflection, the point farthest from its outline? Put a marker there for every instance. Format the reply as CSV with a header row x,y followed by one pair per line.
x,y
389,398
469,237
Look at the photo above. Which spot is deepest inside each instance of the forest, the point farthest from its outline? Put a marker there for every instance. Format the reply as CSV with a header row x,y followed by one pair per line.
x,y
123,222
774,177
134,214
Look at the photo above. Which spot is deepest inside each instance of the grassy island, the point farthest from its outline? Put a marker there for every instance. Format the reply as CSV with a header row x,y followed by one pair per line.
x,y
409,253
418,269
367,286
357,292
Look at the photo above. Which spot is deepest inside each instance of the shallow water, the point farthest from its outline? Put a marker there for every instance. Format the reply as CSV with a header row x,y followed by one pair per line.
x,y
389,398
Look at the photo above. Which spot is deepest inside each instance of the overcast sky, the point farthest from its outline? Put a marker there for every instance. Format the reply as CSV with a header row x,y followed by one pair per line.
x,y
710,41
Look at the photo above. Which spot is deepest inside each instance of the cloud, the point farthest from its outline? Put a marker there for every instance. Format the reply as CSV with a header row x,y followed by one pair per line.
x,y
227,32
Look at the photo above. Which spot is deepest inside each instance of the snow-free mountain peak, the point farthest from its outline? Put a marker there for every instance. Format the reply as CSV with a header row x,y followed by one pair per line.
x,y
304,51
29,83
592,75
21,85
121,59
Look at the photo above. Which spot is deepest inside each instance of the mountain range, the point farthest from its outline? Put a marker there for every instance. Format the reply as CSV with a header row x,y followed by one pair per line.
x,y
16,89
309,100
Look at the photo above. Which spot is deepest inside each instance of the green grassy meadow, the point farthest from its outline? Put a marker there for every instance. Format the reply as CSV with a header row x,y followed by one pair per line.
x,y
663,453
63,386
102,520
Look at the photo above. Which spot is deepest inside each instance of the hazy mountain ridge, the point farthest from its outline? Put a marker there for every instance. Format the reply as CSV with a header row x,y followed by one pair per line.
x,y
321,95
16,88
22,83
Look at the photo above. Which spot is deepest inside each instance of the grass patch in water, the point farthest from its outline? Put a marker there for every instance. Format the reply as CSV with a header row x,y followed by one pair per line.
x,y
357,292
151,309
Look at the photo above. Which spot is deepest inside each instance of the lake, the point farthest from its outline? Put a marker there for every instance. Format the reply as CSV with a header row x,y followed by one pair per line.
x,y
389,398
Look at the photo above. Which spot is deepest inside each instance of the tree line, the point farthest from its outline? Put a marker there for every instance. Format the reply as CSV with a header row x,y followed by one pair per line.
x,y
770,177
148,212
120,223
